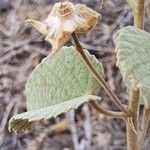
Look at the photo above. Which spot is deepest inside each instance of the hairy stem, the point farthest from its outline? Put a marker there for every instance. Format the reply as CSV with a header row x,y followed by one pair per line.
x,y
109,113
139,23
98,77
132,137
144,126
138,13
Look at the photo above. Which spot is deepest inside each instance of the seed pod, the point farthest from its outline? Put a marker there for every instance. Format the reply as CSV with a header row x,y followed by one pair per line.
x,y
64,19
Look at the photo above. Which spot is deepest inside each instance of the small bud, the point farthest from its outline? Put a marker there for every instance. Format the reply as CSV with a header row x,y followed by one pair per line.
x,y
64,19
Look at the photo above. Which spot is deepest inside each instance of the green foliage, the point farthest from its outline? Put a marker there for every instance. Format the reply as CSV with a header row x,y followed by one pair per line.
x,y
25,120
133,59
60,83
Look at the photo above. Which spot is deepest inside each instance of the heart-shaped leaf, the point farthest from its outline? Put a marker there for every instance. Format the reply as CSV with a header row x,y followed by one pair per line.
x,y
133,59
60,83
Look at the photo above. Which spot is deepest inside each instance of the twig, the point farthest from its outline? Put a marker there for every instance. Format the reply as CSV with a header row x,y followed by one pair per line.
x,y
98,77
73,129
87,127
108,113
6,115
59,127
144,126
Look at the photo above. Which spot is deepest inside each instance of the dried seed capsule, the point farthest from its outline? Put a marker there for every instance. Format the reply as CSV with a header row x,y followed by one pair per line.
x,y
64,19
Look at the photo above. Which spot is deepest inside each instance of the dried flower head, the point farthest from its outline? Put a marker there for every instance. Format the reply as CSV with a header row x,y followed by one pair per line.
x,y
64,19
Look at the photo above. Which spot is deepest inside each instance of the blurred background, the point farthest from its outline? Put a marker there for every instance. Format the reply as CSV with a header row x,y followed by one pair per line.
x,y
22,48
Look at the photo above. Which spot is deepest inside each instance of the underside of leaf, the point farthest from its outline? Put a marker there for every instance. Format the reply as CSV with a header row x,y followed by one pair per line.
x,y
133,59
59,83
25,120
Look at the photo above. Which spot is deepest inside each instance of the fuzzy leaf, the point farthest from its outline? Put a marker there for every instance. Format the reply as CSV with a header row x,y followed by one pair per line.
x,y
60,83
133,59
25,120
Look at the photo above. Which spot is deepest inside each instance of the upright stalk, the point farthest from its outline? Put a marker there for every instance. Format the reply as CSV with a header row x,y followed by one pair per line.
x,y
132,137
138,13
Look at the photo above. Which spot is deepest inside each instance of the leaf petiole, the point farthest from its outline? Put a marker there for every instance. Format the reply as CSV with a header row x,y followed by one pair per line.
x,y
98,77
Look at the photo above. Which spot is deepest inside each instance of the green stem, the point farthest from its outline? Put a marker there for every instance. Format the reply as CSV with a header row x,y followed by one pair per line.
x,y
98,77
132,137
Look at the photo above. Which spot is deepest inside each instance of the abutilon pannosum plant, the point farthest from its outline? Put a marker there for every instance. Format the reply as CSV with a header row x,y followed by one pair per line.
x,y
68,76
